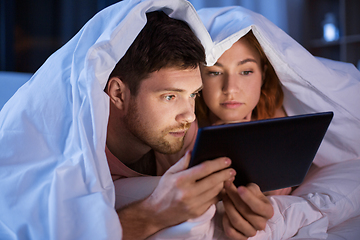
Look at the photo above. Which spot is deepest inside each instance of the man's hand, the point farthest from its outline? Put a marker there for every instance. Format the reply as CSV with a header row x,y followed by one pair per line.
x,y
181,194
246,210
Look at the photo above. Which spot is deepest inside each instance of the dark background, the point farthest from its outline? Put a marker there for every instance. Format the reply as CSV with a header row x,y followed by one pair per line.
x,y
31,30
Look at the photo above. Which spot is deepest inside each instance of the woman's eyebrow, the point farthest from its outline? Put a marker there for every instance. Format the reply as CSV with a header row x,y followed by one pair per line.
x,y
246,61
239,63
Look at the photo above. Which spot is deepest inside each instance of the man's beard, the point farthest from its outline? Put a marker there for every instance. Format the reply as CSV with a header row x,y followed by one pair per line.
x,y
155,139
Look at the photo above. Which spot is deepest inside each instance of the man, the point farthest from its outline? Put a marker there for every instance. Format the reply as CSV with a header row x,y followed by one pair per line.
x,y
56,181
152,94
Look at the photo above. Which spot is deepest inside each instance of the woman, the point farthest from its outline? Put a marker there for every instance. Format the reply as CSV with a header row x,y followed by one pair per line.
x,y
329,196
241,86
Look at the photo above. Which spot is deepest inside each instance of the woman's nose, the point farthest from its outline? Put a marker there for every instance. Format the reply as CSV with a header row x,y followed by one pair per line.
x,y
230,84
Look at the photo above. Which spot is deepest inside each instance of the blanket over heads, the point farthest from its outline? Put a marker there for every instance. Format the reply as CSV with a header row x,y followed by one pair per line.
x,y
310,84
330,194
55,178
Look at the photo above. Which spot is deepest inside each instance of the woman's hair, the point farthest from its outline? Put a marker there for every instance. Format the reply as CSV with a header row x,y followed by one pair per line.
x,y
271,97
163,42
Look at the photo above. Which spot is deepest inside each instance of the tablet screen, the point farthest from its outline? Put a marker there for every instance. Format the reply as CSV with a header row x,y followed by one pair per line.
x,y
273,153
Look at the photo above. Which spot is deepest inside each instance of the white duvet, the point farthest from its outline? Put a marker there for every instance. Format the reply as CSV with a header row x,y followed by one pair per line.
x,y
329,198
55,181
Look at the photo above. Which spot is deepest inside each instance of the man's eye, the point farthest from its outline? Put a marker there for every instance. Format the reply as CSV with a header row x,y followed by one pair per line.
x,y
246,72
194,95
169,97
214,73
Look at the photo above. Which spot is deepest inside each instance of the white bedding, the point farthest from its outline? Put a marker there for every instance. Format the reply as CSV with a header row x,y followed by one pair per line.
x,y
10,82
327,204
330,196
55,180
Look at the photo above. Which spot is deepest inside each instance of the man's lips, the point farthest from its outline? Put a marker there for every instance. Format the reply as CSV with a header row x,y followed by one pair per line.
x,y
178,133
231,104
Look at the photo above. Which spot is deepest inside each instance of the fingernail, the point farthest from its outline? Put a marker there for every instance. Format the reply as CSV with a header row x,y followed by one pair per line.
x,y
231,179
232,173
241,190
227,184
227,161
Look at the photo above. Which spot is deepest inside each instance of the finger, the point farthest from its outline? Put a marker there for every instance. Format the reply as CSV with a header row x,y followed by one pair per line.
x,y
200,209
236,219
206,168
180,165
256,200
253,215
207,183
230,231
212,194
197,196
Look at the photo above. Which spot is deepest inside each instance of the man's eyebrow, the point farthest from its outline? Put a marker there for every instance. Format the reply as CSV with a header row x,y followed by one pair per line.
x,y
199,89
178,89
171,90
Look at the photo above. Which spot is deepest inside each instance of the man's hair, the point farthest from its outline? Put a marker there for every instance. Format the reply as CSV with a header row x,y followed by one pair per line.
x,y
163,42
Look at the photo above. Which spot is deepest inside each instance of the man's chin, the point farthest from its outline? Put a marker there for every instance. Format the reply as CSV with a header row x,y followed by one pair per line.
x,y
170,148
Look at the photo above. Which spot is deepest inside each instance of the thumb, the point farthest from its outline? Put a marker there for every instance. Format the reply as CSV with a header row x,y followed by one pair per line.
x,y
181,165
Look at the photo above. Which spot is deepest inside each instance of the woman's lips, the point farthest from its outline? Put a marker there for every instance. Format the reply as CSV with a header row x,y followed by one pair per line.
x,y
231,104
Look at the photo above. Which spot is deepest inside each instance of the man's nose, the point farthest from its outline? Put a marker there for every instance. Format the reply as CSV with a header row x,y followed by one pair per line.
x,y
187,114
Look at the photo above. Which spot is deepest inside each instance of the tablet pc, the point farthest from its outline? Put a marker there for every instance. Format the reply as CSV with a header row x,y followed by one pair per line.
x,y
273,153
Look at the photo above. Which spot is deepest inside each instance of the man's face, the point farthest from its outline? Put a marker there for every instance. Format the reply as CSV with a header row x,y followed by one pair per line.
x,y
162,111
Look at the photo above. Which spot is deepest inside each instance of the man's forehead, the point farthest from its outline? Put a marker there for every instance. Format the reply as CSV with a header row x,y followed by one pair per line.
x,y
173,79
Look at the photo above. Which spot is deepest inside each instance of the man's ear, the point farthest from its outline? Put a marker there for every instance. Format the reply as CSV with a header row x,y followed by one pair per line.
x,y
117,91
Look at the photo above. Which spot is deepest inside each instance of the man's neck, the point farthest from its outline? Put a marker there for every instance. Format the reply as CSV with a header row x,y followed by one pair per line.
x,y
123,144
133,157
145,165
126,150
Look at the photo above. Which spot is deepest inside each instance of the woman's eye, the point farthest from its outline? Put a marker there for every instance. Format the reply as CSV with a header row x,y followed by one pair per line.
x,y
169,97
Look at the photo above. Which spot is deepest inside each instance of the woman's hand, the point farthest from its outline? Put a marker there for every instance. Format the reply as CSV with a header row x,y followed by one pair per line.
x,y
246,210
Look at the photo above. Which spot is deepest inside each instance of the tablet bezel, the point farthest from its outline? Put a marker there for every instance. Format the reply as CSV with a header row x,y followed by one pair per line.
x,y
273,153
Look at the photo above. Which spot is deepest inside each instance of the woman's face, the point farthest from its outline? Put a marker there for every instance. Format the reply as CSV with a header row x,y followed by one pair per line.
x,y
232,86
